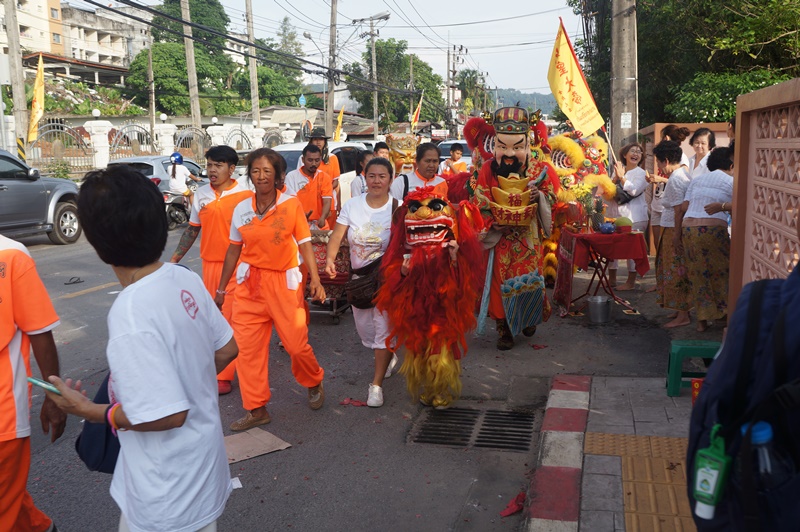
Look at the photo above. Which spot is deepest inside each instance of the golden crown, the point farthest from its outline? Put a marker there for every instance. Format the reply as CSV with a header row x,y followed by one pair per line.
x,y
402,142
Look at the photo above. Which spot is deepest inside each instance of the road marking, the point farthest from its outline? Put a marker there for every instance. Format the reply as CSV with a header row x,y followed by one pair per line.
x,y
88,290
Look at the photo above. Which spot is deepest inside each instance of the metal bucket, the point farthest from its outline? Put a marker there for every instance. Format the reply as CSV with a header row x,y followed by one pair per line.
x,y
600,309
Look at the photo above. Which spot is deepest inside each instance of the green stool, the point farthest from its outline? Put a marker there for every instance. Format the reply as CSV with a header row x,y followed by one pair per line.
x,y
680,350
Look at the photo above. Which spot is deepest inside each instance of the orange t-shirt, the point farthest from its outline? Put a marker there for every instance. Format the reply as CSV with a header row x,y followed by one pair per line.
x,y
25,308
270,243
212,212
310,191
331,167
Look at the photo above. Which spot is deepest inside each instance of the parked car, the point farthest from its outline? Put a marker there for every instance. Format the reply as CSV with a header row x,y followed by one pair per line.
x,y
31,204
157,168
445,147
346,152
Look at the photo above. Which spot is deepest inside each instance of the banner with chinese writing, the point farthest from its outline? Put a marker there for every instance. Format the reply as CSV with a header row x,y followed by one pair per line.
x,y
570,88
37,104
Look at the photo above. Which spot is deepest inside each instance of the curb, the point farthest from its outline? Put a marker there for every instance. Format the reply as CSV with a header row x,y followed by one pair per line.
x,y
554,495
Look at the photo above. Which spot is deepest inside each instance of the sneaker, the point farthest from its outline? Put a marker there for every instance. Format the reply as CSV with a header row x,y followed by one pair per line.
x,y
375,398
316,397
224,387
392,365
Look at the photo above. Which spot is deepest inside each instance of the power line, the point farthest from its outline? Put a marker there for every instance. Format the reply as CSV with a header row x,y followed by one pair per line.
x,y
485,21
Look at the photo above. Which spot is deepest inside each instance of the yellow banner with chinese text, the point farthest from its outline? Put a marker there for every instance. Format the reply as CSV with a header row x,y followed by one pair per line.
x,y
570,88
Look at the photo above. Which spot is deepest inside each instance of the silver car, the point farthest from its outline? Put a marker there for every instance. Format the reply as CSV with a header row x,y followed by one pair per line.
x,y
157,168
31,204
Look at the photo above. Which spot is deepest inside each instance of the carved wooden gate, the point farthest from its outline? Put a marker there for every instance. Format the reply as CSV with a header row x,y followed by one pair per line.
x,y
61,150
766,195
131,140
193,142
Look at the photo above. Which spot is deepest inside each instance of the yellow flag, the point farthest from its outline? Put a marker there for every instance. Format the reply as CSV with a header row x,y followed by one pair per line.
x,y
570,88
37,105
338,133
415,117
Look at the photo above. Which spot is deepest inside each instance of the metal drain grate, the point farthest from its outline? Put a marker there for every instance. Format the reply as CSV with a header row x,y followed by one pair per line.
x,y
469,427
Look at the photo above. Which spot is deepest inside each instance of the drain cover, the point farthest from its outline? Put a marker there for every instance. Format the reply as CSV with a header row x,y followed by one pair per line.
x,y
469,427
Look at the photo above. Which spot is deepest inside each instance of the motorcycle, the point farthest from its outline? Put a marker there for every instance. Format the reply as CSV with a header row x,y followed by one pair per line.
x,y
178,206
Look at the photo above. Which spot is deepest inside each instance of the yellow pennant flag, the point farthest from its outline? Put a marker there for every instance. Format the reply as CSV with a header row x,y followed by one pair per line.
x,y
338,133
415,117
570,88
37,105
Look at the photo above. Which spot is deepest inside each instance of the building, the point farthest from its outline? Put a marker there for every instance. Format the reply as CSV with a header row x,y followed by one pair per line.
x,y
40,27
100,36
237,57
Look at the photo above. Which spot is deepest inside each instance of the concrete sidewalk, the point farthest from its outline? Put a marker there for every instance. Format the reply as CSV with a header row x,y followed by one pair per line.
x,y
612,457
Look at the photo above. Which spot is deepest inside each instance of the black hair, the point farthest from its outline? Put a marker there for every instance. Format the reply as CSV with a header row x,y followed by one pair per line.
x,y
222,154
669,151
382,162
311,148
360,158
456,147
275,159
381,146
122,215
425,147
623,153
703,131
720,159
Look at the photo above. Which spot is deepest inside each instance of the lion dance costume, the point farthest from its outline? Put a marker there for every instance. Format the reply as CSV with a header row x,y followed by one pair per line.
x,y
430,308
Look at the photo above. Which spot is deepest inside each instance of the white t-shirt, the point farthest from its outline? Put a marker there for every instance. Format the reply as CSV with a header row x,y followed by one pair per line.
x,y
635,185
713,187
701,169
368,229
177,184
658,190
358,186
674,194
414,182
163,331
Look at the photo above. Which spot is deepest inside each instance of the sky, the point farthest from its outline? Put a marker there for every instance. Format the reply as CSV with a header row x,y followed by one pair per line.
x,y
515,53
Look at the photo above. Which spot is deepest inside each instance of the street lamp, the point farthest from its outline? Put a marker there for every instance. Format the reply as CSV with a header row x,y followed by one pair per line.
x,y
372,34
96,113
214,120
308,36
163,117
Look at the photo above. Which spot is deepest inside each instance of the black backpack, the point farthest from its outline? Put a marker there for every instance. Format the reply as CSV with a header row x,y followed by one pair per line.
x,y
756,377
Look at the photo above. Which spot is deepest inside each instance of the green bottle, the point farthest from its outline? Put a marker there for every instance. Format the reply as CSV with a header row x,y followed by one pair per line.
x,y
711,469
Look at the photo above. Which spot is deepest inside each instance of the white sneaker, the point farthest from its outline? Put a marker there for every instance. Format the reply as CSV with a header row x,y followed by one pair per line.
x,y
392,365
375,398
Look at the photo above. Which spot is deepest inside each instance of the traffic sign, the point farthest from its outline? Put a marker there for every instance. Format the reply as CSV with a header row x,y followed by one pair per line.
x,y
302,100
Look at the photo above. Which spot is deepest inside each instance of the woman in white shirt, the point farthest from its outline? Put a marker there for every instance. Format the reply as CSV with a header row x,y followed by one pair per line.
x,y
358,185
633,180
705,237
702,141
672,282
678,134
366,220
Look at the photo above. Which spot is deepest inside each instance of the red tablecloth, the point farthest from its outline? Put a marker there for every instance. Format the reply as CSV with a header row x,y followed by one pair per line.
x,y
612,246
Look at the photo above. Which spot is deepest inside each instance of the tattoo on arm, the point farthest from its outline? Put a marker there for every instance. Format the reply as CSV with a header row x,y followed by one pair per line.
x,y
187,240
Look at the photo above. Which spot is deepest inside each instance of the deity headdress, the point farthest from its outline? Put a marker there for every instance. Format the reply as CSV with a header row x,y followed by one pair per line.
x,y
511,120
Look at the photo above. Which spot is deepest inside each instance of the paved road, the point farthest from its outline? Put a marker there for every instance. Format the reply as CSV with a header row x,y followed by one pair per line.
x,y
349,468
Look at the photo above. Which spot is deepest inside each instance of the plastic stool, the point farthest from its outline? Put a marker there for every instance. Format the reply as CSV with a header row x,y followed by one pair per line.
x,y
680,350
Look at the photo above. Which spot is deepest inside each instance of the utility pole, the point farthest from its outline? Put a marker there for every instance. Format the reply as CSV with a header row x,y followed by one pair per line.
x,y
411,107
331,72
191,69
253,67
624,74
151,86
17,72
372,35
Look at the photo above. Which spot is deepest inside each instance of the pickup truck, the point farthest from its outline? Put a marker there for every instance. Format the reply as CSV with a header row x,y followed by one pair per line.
x,y
31,204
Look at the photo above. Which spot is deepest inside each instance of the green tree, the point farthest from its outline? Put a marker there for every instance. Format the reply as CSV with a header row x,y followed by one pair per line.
x,y
209,13
392,67
469,82
273,87
712,97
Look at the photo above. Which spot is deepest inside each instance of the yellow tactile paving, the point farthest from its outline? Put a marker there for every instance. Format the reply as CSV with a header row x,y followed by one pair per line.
x,y
653,479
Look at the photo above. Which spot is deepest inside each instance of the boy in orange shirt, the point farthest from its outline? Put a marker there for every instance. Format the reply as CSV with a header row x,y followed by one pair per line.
x,y
212,210
329,165
27,319
312,186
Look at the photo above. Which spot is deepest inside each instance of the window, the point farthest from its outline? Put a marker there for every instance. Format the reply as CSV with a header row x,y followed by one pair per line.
x,y
12,170
53,12
57,38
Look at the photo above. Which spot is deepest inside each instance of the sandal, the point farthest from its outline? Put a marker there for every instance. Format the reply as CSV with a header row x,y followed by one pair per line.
x,y
316,397
249,421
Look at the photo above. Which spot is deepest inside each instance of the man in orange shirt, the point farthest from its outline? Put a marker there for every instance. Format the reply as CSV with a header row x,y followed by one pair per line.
x,y
312,186
27,318
329,165
212,209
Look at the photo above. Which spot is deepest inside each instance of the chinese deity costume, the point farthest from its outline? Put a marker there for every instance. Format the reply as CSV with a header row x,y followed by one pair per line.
x,y
514,190
430,305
